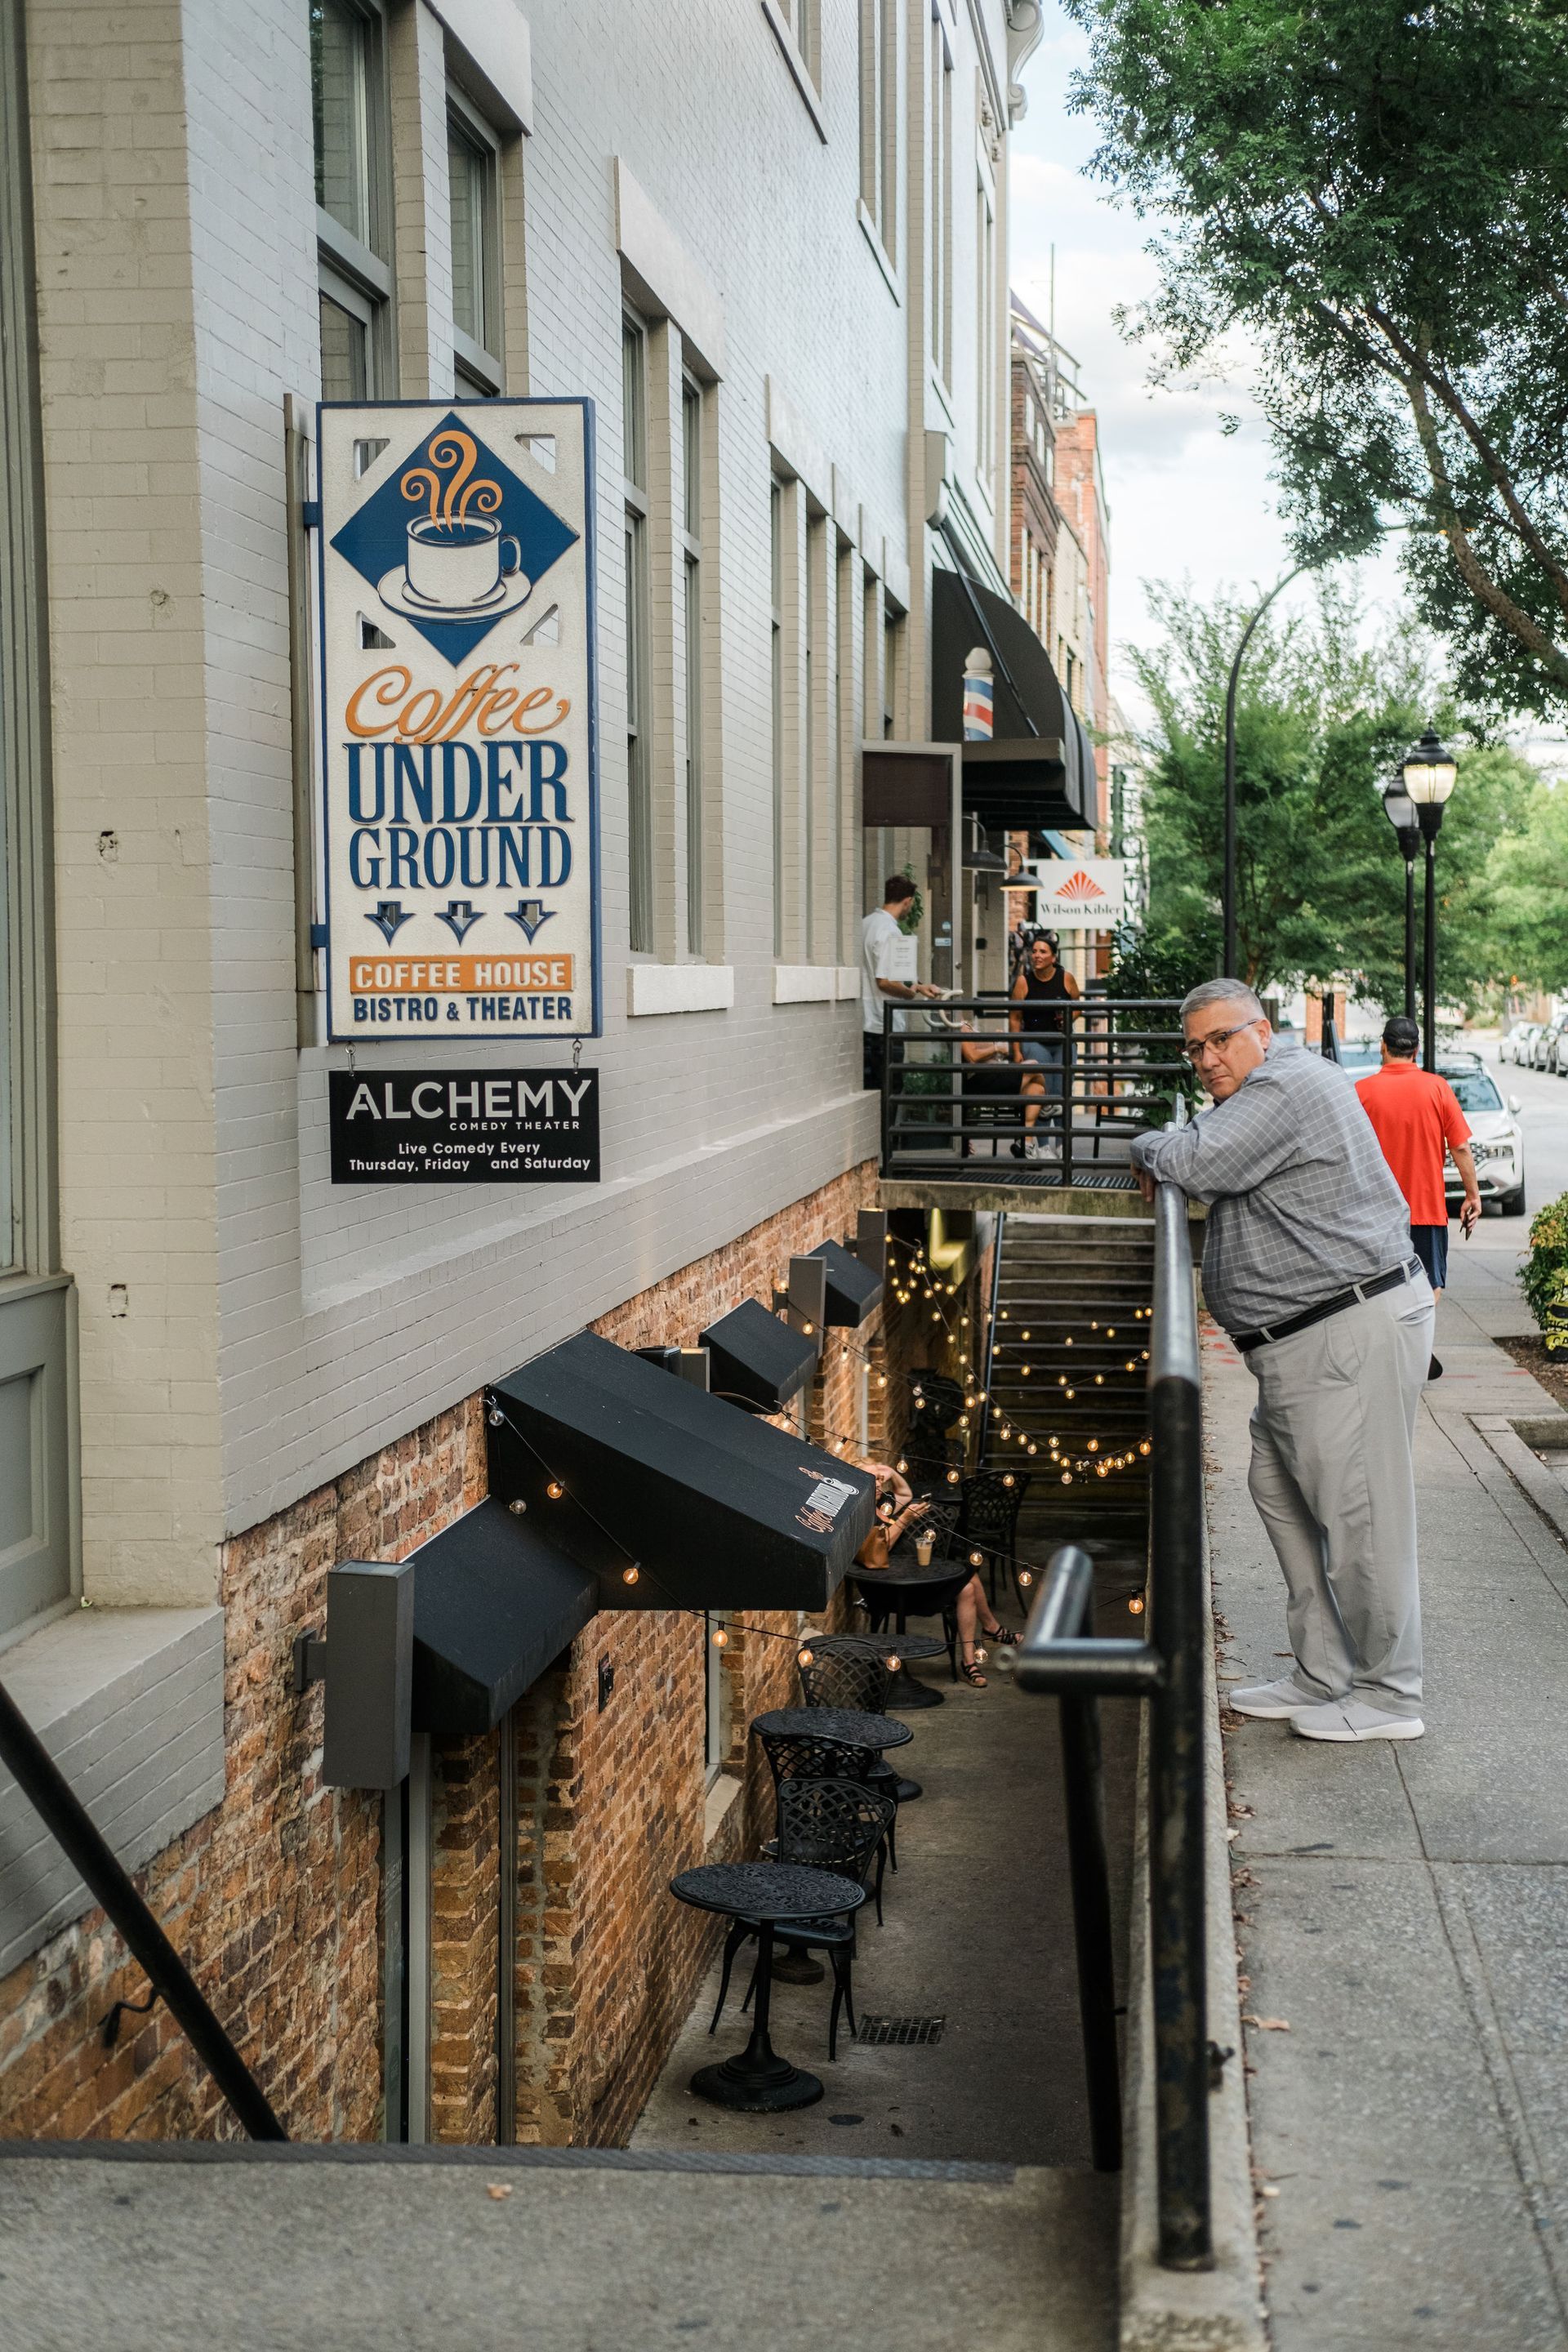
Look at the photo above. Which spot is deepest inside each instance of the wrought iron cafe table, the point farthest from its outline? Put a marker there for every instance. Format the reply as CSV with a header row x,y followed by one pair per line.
x,y
899,1648
757,2079
899,1593
847,1724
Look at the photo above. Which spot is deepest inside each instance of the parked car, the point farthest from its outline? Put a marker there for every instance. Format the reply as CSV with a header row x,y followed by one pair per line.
x,y
1497,1142
1516,1042
1360,1055
1543,1048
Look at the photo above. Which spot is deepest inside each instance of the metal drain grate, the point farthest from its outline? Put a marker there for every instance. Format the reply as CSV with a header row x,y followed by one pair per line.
x,y
904,2030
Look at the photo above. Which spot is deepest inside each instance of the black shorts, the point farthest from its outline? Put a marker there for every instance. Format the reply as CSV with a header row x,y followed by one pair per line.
x,y
994,1079
1430,1244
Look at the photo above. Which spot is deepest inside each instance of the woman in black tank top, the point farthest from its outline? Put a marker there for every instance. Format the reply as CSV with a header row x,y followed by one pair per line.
x,y
1039,1028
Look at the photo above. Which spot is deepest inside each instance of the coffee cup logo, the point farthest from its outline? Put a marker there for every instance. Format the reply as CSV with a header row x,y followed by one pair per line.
x,y
459,562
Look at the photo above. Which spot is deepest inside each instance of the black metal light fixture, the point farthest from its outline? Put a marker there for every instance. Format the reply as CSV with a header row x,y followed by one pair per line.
x,y
1400,809
1428,770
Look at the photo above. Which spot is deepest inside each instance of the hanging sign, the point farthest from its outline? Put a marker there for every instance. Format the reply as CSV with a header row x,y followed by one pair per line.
x,y
459,756
1088,894
464,1127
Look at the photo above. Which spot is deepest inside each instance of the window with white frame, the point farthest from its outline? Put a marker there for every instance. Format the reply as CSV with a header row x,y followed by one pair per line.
x,y
880,117
639,748
803,19
985,327
815,618
691,440
776,579
473,179
939,206
713,1682
354,198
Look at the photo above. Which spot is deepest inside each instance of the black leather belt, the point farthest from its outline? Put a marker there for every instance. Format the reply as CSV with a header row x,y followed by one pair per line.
x,y
1247,1340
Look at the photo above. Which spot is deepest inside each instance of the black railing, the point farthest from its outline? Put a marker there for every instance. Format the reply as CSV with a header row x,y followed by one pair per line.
x,y
1111,1071
68,1822
1059,1654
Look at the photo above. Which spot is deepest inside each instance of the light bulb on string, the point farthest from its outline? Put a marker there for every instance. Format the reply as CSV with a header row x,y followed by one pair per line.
x,y
556,1490
1136,1604
892,1662
1143,1445
517,1507
721,1637
1025,1578
1008,1479
977,1559
807,1658
496,1416
629,1575
952,1477
1094,1446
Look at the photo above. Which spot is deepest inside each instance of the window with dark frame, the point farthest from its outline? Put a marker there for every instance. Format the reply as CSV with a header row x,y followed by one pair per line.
x,y
354,206
640,781
473,181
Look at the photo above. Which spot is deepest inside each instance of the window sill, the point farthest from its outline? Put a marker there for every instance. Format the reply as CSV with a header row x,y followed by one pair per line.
x,y
814,983
680,988
129,1702
723,1797
880,252
800,72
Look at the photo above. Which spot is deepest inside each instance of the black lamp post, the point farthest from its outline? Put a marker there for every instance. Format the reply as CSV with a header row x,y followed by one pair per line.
x,y
1400,809
1428,770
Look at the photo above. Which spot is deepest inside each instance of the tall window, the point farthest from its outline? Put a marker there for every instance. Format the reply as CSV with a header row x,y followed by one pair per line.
x,y
691,547
640,791
803,19
986,327
892,669
472,177
940,205
813,616
354,204
843,643
713,1676
776,575
880,117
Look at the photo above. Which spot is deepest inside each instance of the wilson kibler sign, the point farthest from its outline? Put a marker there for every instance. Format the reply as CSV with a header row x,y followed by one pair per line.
x,y
464,1127
460,792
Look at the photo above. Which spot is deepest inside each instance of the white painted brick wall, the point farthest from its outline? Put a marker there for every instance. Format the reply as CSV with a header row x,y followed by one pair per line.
x,y
177,276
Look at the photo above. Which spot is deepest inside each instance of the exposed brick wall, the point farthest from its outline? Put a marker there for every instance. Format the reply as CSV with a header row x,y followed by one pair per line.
x,y
274,1897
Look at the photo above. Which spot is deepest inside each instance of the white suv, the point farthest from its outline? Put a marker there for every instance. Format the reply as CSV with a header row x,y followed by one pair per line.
x,y
1497,1143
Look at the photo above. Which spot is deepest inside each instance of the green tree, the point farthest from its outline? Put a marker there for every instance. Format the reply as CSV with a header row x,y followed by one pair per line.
x,y
1529,880
1321,720
1373,192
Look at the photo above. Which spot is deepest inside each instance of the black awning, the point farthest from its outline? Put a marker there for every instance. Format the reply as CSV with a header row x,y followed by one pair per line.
x,y
1029,775
758,1356
715,1508
854,1292
494,1603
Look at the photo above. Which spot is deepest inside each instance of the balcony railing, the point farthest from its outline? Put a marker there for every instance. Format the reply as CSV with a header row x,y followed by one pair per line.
x,y
1112,1070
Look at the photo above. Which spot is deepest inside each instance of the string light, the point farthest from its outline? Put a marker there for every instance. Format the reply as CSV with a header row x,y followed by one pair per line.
x,y
1136,1604
496,1416
721,1637
807,1658
556,1490
517,1507
1025,1578
628,1576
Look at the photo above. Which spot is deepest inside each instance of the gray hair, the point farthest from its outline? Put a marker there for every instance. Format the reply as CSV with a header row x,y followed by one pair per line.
x,y
1222,992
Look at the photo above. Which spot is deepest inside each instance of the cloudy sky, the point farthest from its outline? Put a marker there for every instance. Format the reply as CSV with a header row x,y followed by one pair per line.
x,y
1184,498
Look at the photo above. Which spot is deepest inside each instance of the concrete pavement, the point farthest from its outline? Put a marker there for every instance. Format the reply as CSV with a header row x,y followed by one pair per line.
x,y
1404,1909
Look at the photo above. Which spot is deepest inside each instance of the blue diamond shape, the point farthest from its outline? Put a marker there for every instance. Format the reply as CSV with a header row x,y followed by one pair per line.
x,y
374,539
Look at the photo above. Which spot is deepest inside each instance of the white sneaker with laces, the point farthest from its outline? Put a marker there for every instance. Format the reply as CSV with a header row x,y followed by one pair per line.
x,y
1032,1148
1349,1719
1274,1701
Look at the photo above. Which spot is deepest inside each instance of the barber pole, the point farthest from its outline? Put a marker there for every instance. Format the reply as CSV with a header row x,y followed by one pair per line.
x,y
979,714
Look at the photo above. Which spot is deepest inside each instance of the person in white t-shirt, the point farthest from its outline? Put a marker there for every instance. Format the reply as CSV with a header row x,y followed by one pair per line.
x,y
887,970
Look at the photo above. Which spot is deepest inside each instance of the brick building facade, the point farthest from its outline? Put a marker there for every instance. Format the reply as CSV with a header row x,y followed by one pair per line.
x,y
240,1373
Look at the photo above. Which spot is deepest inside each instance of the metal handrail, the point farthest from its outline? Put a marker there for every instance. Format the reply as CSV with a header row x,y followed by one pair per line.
x,y
1059,1654
73,1829
1109,1077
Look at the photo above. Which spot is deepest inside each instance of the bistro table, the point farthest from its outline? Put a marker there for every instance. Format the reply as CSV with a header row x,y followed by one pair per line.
x,y
901,1592
757,2079
845,1724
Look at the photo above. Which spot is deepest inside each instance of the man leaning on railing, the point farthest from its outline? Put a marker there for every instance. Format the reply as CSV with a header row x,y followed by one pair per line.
x,y
1308,1264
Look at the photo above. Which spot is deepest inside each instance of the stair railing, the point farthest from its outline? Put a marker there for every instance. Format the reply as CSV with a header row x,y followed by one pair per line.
x,y
73,1829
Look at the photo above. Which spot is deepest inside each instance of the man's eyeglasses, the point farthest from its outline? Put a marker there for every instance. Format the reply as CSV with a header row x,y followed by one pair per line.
x,y
1215,1041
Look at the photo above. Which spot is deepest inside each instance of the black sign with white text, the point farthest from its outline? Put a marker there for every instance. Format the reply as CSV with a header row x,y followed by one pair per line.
x,y
464,1127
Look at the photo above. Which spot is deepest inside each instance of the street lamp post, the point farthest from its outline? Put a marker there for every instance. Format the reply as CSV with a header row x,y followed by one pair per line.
x,y
1230,965
1400,809
1428,772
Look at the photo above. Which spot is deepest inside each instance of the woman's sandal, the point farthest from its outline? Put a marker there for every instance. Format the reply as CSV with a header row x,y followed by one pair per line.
x,y
972,1673
1002,1638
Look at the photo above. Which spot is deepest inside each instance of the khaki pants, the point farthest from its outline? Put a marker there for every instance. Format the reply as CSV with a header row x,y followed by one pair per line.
x,y
1331,1478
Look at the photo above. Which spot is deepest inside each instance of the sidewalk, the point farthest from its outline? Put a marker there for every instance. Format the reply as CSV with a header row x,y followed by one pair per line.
x,y
1404,1909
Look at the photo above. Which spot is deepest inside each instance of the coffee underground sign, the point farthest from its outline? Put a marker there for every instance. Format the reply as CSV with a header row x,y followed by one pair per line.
x,y
459,754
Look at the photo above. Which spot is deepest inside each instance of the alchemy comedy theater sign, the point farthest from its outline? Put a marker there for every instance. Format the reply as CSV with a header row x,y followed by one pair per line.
x,y
459,754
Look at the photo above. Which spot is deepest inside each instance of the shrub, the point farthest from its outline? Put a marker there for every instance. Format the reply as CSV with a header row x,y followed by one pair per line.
x,y
1544,1274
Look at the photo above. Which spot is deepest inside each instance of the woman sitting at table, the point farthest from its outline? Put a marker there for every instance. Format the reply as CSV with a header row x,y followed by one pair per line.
x,y
898,1513
995,1069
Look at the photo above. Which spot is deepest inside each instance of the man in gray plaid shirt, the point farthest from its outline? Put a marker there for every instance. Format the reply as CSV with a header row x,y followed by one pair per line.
x,y
1306,1263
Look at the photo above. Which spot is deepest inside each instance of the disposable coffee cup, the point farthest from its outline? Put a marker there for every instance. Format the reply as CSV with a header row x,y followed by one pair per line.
x,y
924,1547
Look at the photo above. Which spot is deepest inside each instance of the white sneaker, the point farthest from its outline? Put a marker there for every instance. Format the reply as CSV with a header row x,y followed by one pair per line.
x,y
1273,1700
1031,1149
1351,1720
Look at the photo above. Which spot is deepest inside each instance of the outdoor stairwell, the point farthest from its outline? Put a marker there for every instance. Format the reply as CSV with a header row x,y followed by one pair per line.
x,y
1068,1338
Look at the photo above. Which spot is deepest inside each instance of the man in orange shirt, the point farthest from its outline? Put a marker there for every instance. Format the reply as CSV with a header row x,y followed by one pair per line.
x,y
1416,1114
